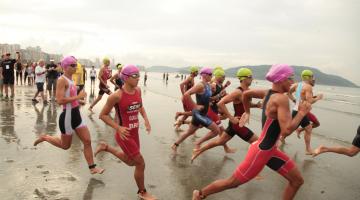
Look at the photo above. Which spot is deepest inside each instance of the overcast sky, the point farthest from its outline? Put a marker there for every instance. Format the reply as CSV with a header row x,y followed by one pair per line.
x,y
320,33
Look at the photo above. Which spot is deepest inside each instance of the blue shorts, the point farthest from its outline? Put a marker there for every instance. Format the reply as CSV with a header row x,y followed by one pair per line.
x,y
200,119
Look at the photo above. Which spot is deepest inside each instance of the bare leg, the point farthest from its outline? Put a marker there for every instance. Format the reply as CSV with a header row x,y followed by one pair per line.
x,y
307,138
64,142
191,130
84,135
94,103
102,146
217,186
351,151
213,143
207,137
295,181
12,90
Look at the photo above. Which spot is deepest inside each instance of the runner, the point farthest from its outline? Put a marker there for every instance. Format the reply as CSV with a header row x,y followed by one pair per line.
x,y
264,151
79,79
70,119
245,77
188,103
218,91
116,78
304,92
127,103
348,151
202,91
104,75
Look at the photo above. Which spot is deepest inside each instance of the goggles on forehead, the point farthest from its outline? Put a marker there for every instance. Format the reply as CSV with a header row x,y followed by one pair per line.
x,y
243,77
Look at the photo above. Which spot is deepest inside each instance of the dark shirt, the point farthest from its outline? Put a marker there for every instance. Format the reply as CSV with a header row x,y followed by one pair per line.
x,y
8,67
52,73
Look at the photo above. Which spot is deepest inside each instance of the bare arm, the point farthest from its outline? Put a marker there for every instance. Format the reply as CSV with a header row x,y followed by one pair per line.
x,y
100,76
291,91
227,99
112,79
184,83
60,93
195,89
288,124
109,105
249,94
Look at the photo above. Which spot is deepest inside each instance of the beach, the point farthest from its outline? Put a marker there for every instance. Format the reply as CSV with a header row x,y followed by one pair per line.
x,y
46,172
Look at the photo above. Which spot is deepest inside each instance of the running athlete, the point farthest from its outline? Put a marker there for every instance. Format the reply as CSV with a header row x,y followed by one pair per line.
x,y
70,119
264,151
199,117
188,103
304,92
218,91
348,151
79,80
116,78
104,75
245,77
313,119
127,103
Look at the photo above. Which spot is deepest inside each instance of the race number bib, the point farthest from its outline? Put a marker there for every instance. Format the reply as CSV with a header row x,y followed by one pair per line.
x,y
7,67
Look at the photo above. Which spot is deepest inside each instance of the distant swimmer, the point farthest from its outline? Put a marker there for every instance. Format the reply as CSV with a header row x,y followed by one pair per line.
x,y
70,119
104,75
264,151
188,103
304,92
128,104
245,77
348,151
202,90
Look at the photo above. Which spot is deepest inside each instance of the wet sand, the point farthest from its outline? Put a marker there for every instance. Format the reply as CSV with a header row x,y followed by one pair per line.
x,y
46,172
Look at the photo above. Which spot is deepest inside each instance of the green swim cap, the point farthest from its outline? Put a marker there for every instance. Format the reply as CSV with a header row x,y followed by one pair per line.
x,y
306,74
219,73
243,73
194,69
218,67
118,66
106,60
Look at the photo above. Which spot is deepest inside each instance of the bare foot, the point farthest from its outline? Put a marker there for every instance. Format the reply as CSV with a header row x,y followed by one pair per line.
x,y
195,154
174,148
298,132
318,151
196,195
39,140
146,196
229,150
102,146
309,152
97,170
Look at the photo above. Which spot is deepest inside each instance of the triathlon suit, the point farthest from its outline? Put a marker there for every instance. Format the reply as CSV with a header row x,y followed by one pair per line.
x,y
264,151
119,83
70,119
213,111
312,118
92,75
188,105
234,129
127,111
356,141
305,121
199,117
105,76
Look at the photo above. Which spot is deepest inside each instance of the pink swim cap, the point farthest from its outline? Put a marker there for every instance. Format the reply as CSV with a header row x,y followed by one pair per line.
x,y
279,72
67,61
206,70
127,71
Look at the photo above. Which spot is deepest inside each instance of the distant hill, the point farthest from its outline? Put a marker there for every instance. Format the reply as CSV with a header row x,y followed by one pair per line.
x,y
260,71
